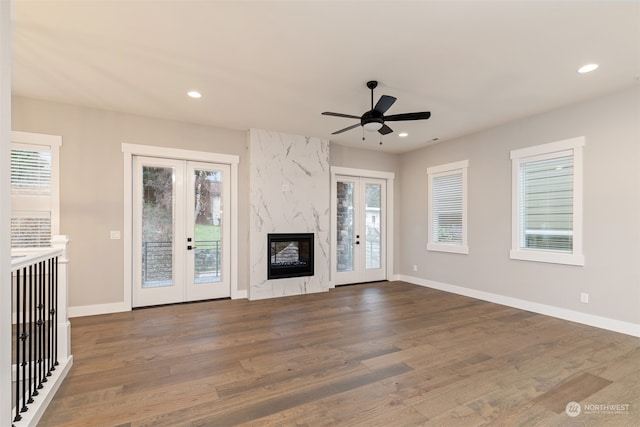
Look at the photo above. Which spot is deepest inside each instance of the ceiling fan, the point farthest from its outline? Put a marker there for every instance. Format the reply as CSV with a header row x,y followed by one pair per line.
x,y
373,120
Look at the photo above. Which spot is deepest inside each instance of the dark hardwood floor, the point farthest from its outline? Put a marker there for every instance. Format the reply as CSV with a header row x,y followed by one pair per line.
x,y
382,354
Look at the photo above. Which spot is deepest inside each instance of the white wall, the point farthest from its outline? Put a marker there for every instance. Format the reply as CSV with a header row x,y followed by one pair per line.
x,y
6,35
611,274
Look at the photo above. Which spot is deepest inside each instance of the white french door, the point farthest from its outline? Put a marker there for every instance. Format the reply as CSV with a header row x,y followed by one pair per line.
x,y
360,230
181,232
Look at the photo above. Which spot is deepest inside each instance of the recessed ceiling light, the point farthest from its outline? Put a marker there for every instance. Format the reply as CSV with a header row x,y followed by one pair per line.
x,y
403,134
194,94
587,68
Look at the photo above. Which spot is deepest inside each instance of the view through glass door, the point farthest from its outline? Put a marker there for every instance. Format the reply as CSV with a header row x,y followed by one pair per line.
x,y
360,230
181,231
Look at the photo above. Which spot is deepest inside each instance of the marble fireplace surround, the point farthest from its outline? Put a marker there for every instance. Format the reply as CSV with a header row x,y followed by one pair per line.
x,y
289,183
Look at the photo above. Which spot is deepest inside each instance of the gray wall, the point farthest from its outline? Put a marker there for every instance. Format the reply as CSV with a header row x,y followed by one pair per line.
x,y
92,200
91,183
611,274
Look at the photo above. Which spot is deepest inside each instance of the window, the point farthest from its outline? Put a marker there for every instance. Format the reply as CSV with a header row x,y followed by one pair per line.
x,y
547,202
34,189
448,207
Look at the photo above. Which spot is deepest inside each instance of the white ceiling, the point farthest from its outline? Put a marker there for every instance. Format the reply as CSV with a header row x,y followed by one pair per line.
x,y
278,65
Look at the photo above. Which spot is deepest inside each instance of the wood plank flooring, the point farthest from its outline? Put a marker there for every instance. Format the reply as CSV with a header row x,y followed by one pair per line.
x,y
381,354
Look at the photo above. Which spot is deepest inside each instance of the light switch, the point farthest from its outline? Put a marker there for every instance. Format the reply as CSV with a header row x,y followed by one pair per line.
x,y
115,235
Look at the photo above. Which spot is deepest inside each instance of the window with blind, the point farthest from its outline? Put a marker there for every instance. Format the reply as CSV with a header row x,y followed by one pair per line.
x,y
447,189
34,189
547,202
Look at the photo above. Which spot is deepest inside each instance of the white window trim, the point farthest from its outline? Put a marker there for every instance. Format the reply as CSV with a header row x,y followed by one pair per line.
x,y
550,150
53,143
441,170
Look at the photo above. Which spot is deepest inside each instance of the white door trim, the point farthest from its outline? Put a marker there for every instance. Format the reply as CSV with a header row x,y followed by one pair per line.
x,y
130,150
363,173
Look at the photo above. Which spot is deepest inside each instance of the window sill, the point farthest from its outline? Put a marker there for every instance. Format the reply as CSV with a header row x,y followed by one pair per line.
x,y
455,249
549,257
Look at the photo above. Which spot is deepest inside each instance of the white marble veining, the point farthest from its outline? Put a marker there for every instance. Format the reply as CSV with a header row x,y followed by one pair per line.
x,y
289,193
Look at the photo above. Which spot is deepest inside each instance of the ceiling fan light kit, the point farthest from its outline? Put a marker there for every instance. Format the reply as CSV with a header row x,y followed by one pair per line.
x,y
372,126
373,120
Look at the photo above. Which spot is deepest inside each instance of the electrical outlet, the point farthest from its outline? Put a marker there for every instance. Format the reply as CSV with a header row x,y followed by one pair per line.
x,y
584,298
415,267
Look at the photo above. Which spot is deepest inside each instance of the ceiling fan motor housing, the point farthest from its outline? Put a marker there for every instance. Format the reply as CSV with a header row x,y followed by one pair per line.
x,y
372,120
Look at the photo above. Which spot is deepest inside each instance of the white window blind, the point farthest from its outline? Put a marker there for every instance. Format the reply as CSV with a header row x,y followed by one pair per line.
x,y
34,189
546,204
31,172
448,207
31,230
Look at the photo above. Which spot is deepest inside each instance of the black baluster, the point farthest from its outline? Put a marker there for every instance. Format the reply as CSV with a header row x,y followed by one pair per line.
x,y
55,307
43,327
38,336
18,417
23,338
31,381
50,316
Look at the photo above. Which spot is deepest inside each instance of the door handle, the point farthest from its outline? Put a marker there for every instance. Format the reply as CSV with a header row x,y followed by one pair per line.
x,y
357,242
191,247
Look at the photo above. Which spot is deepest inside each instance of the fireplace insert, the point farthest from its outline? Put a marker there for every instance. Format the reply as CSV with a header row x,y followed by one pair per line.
x,y
290,255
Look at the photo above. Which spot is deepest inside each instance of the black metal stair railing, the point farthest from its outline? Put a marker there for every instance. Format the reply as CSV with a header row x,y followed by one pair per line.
x,y
35,342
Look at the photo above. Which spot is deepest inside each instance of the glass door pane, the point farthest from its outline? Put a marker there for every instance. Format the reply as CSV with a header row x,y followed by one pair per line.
x,y
208,226
158,202
208,231
373,193
158,231
345,226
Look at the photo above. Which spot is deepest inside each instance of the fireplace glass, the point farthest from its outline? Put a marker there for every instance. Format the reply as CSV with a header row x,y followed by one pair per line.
x,y
290,255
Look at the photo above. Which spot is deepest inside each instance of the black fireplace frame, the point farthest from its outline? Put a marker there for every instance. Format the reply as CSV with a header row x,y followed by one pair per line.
x,y
292,271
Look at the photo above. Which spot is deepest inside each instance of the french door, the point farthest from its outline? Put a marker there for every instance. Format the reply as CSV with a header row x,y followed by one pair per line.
x,y
360,230
181,232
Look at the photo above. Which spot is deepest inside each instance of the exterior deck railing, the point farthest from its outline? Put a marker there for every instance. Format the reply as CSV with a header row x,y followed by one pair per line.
x,y
41,331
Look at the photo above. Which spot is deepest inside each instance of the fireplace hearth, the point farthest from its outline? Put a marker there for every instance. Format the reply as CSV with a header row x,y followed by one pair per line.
x,y
290,255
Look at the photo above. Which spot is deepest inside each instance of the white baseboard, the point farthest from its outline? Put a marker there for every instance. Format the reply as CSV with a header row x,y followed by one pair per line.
x,y
548,310
117,307
92,310
244,294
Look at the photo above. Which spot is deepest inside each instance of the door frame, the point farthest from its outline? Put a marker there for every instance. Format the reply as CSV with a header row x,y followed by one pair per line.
x,y
131,150
363,173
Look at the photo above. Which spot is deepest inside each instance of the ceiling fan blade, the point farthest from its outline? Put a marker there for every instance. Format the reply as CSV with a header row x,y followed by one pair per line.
x,y
349,116
408,116
385,130
384,103
346,129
